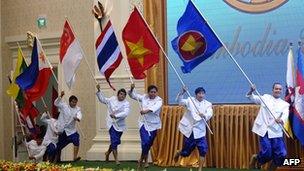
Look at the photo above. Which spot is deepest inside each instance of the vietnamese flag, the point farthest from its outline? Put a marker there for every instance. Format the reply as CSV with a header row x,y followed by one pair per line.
x,y
141,47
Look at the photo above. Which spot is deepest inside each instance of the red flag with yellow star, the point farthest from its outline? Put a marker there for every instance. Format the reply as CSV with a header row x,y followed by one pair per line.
x,y
141,47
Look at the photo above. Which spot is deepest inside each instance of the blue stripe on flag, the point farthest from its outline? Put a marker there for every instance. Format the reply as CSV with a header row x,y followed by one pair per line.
x,y
107,51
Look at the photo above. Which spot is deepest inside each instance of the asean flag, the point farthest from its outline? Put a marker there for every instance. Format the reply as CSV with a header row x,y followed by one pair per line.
x,y
195,41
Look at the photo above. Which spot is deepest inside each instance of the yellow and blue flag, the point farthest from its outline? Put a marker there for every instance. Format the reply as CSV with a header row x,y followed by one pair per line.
x,y
195,41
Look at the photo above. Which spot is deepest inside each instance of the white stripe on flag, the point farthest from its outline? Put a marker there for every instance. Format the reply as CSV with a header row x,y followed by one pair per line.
x,y
71,61
111,60
104,40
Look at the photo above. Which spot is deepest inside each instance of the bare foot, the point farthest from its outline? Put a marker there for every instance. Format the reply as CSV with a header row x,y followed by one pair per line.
x,y
139,164
176,156
253,161
117,163
77,158
146,165
107,156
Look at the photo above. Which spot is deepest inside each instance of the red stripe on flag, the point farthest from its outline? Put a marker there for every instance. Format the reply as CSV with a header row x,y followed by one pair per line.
x,y
111,69
40,86
102,34
66,40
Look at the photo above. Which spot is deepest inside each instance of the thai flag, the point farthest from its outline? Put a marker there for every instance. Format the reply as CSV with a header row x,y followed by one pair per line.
x,y
108,52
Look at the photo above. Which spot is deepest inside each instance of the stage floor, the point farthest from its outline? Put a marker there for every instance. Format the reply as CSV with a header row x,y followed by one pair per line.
x,y
126,165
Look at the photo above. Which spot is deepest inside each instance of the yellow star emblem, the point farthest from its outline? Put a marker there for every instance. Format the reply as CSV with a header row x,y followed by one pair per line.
x,y
191,45
138,50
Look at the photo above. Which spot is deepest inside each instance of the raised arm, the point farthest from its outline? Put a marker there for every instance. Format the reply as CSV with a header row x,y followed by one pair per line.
x,y
59,102
180,97
134,95
255,99
100,96
44,118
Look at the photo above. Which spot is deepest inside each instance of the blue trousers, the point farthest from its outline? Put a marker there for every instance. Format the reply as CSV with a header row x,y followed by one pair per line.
x,y
114,137
146,140
51,150
64,140
272,149
190,143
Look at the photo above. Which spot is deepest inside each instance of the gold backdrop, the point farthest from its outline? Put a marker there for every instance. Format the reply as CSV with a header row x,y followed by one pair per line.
x,y
231,145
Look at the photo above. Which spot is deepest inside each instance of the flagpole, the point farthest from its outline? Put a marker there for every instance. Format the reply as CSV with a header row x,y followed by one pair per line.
x,y
22,129
140,107
85,58
175,71
18,116
242,71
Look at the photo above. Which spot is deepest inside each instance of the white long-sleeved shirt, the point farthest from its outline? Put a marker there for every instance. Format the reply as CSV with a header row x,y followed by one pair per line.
x,y
191,121
264,122
151,120
51,135
35,150
119,108
66,121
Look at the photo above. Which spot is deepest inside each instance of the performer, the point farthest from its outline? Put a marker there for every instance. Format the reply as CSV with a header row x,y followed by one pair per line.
x,y
272,146
118,110
69,114
36,149
50,139
150,121
192,125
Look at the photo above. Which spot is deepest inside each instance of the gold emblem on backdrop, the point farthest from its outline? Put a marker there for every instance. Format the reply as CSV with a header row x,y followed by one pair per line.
x,y
255,6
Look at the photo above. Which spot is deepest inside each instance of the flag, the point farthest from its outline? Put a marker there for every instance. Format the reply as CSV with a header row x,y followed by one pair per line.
x,y
195,41
27,79
70,54
141,47
108,52
27,110
298,119
27,119
44,74
54,108
13,89
290,93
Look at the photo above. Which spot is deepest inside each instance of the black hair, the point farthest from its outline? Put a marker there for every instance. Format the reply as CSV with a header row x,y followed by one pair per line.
x,y
122,91
199,89
42,131
73,98
152,87
276,83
